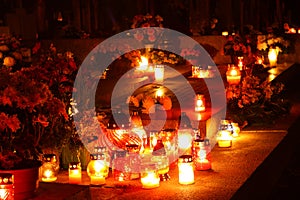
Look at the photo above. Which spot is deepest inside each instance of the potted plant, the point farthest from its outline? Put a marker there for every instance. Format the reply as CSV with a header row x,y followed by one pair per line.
x,y
34,100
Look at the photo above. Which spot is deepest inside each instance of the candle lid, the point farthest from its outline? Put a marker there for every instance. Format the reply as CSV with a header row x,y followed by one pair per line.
x,y
6,178
185,159
74,165
97,156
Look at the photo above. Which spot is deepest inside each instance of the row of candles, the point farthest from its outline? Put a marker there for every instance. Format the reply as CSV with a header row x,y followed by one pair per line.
x,y
151,168
129,164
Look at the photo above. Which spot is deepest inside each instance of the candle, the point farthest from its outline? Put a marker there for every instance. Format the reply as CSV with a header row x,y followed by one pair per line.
x,y
240,62
75,173
49,176
224,138
225,33
97,180
159,73
143,64
149,176
159,93
233,75
98,169
201,154
200,103
236,129
186,170
6,186
195,71
272,55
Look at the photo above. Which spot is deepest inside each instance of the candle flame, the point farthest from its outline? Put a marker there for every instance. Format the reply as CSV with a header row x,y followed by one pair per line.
x,y
143,63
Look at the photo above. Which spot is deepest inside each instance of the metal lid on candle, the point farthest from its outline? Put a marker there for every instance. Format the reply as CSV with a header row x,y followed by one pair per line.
x,y
185,159
74,165
6,178
102,149
98,156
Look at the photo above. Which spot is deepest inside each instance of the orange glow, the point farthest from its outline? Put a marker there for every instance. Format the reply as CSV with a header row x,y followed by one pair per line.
x,y
143,64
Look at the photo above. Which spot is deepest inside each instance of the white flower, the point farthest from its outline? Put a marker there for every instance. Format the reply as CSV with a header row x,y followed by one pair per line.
x,y
9,61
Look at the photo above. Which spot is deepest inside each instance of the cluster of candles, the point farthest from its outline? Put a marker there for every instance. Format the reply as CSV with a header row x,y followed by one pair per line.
x,y
144,68
200,72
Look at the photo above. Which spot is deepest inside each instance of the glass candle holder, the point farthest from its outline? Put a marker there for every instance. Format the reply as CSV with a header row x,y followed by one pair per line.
x,y
74,172
224,138
149,175
134,160
201,154
233,75
186,170
120,166
160,158
159,73
49,168
199,103
236,129
169,139
97,169
6,186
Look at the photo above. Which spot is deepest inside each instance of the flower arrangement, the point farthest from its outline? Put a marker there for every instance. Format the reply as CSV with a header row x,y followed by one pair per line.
x,y
255,101
34,100
266,42
140,21
146,103
152,25
237,46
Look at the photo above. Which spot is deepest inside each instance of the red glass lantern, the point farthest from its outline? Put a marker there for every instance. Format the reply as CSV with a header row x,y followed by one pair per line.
x,y
6,186
201,154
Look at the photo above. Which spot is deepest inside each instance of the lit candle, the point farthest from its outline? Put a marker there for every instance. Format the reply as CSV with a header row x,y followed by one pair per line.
x,y
240,62
97,180
186,170
298,31
159,73
236,129
233,75
149,176
224,138
200,103
48,176
159,93
195,71
143,64
49,168
225,33
201,154
97,169
75,173
272,55
6,186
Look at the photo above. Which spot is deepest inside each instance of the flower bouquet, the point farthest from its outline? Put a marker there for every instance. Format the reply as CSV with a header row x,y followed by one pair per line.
x,y
255,101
